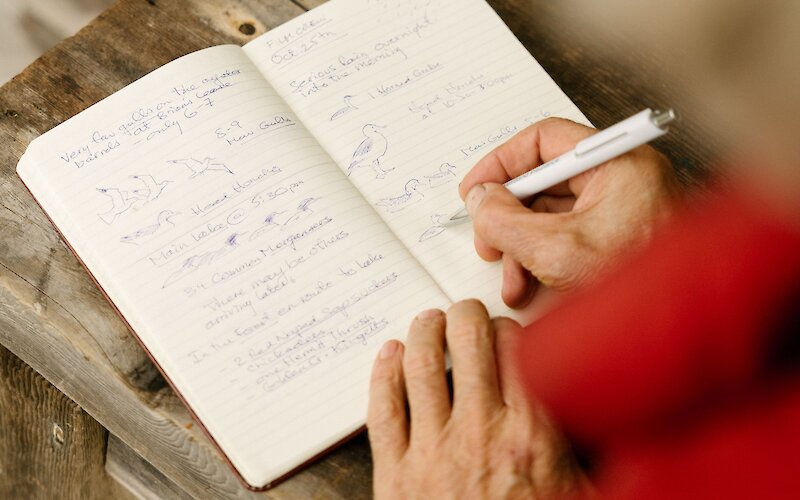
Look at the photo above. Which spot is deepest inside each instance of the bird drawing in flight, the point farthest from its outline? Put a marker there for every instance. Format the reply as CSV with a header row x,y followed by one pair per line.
x,y
199,167
370,151
410,195
120,202
152,188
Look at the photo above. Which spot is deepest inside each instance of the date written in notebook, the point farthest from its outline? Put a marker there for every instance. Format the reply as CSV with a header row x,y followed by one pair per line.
x,y
265,217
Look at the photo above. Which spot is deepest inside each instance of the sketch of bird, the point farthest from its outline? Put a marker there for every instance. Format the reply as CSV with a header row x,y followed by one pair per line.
x,y
199,167
303,209
270,222
370,151
349,106
233,239
163,218
152,188
435,230
410,195
120,202
445,174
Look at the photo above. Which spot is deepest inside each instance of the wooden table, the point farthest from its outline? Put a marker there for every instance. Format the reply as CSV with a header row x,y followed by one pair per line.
x,y
107,402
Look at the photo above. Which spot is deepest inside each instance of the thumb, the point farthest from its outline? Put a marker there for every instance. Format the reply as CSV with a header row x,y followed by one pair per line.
x,y
502,222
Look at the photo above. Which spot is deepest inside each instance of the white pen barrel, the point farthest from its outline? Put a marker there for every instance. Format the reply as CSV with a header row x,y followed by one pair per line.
x,y
599,148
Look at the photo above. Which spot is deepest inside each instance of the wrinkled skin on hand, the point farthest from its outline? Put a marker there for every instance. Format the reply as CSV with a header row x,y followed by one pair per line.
x,y
572,233
487,442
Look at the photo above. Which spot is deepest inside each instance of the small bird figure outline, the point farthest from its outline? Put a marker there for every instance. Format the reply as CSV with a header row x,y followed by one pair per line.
x,y
303,210
121,201
410,195
152,188
199,167
436,229
445,175
163,217
349,106
370,151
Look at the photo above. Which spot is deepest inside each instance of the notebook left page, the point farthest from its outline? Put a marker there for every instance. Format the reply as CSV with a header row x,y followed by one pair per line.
x,y
241,256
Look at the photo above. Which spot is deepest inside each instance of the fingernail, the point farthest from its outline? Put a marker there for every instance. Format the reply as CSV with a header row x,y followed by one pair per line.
x,y
388,349
475,197
429,314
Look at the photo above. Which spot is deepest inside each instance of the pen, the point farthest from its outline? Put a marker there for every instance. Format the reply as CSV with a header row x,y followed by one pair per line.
x,y
614,141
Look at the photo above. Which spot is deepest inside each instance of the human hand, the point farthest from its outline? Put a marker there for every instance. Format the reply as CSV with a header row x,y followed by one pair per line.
x,y
487,442
571,233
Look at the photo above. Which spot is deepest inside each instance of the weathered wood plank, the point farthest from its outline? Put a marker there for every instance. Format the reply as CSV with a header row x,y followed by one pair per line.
x,y
49,447
138,475
53,317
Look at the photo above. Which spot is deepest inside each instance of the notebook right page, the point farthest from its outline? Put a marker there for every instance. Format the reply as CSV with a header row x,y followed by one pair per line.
x,y
407,96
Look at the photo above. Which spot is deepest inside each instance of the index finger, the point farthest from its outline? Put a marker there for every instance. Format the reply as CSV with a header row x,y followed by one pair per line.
x,y
537,144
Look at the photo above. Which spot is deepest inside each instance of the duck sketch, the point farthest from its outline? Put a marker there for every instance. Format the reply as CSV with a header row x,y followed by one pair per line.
x,y
436,229
349,106
445,174
199,167
410,195
152,188
370,151
121,201
164,217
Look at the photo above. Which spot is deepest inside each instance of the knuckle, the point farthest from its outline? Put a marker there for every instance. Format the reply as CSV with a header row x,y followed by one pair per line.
x,y
423,364
386,412
482,221
471,335
553,119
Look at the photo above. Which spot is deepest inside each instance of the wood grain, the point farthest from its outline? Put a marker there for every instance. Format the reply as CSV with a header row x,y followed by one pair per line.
x,y
52,315
49,447
54,318
138,475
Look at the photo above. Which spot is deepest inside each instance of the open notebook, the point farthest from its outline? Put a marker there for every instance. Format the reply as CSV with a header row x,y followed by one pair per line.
x,y
265,217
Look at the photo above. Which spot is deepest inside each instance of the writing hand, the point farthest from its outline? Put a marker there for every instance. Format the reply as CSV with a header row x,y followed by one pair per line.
x,y
488,442
569,234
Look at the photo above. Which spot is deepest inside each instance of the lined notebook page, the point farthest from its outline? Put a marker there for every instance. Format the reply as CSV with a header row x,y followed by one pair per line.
x,y
241,255
406,97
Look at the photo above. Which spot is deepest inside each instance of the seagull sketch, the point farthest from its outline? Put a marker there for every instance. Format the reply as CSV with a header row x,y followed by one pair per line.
x,y
409,196
163,218
349,106
199,167
445,174
152,188
120,202
370,151
435,230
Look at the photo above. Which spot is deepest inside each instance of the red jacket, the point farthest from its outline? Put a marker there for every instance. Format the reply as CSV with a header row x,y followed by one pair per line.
x,y
679,376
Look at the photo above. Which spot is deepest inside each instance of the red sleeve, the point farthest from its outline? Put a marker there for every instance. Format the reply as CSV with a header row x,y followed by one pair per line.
x,y
682,330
